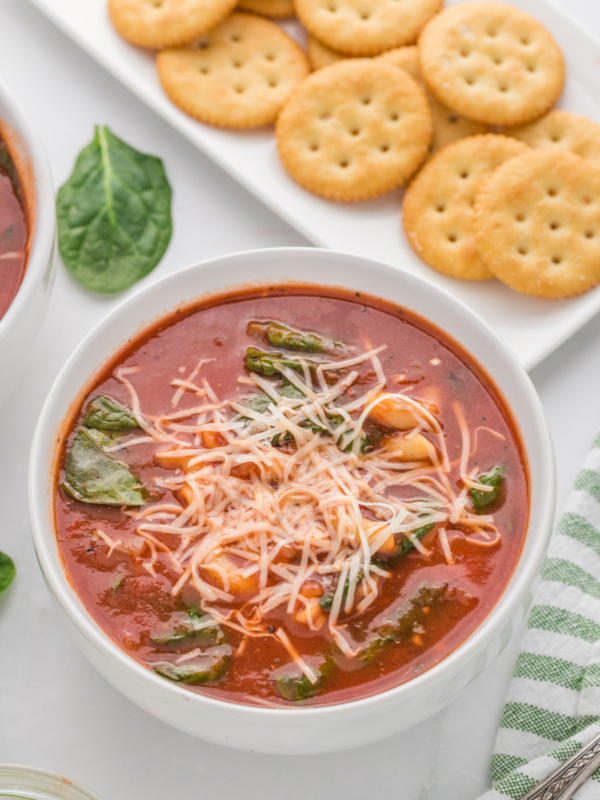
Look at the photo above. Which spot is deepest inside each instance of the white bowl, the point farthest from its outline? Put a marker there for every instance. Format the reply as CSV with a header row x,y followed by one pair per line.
x,y
326,728
20,323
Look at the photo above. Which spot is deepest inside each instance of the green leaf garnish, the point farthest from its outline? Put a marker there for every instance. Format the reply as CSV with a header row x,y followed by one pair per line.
x,y
113,214
7,571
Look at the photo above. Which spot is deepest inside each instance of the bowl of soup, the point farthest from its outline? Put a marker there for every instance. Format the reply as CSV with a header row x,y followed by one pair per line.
x,y
27,237
292,500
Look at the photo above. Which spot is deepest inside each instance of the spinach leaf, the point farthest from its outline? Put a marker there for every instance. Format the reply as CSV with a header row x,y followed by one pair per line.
x,y
295,688
7,571
114,214
210,666
93,476
407,544
482,501
104,414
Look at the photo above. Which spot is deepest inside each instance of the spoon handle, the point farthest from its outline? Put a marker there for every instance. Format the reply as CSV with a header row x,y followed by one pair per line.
x,y
570,776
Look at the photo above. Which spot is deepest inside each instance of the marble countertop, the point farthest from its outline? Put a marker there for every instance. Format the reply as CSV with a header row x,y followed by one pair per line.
x,y
56,711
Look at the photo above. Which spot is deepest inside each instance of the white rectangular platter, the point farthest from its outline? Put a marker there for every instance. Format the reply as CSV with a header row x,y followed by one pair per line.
x,y
532,327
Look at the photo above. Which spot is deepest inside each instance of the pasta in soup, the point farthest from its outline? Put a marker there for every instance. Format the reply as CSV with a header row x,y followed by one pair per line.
x,y
292,496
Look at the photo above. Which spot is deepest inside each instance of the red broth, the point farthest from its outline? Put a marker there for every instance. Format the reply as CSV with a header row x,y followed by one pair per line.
x,y
13,231
437,593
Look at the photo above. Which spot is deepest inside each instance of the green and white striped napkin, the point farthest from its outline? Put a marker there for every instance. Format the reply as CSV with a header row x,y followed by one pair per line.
x,y
553,703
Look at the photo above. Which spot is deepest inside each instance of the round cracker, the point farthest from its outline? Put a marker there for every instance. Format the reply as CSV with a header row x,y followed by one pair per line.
x,y
165,23
269,8
319,55
563,130
492,63
365,27
448,126
354,130
537,224
438,206
236,76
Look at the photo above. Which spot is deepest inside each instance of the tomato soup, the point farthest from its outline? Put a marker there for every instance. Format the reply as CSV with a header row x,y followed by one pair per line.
x,y
13,230
291,497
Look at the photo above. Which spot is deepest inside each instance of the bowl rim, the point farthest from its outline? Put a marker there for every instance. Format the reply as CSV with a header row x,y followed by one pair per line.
x,y
42,228
491,627
25,778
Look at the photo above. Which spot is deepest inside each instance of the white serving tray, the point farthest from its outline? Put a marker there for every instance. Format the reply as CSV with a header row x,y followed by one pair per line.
x,y
531,326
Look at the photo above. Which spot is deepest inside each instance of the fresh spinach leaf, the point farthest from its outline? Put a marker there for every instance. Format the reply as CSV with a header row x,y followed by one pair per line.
x,y
93,476
104,414
7,571
114,214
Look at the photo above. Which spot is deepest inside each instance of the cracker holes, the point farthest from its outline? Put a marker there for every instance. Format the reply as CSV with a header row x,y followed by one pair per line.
x,y
503,87
453,118
202,44
552,192
555,138
235,37
365,15
520,217
272,82
440,208
525,40
554,226
586,200
465,52
531,67
354,131
314,147
497,59
464,174
344,163
384,147
366,100
470,80
394,116
557,259
325,116
589,234
270,56
204,70
452,237
157,3
522,250
492,33
332,8
237,63
239,88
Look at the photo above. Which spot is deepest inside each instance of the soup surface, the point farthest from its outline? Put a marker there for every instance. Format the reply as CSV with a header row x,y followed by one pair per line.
x,y
13,230
285,497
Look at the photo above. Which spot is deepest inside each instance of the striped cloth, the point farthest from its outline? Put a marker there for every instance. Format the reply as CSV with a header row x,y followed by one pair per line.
x,y
553,703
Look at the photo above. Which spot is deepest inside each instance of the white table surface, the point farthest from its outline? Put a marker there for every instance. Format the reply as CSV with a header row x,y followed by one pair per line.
x,y
56,712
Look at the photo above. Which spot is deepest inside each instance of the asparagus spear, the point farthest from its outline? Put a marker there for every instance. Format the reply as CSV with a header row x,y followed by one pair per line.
x,y
280,335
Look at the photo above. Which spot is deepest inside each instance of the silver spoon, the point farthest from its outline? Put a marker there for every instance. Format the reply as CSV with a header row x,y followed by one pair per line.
x,y
564,781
